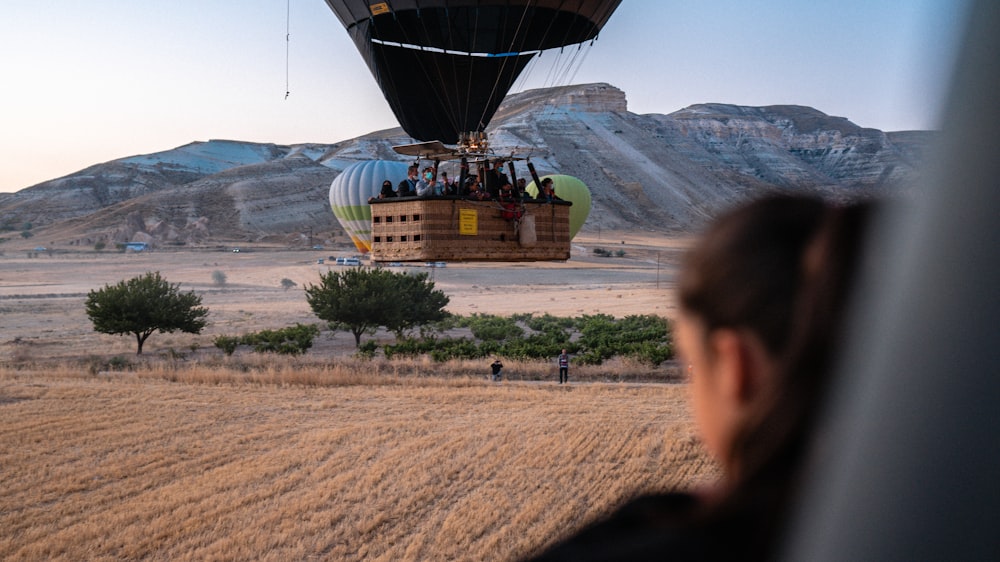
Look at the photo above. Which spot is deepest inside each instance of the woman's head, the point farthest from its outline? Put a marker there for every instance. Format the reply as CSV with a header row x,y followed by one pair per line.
x,y
736,293
743,293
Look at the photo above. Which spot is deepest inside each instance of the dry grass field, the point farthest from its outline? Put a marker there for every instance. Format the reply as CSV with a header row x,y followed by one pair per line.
x,y
145,466
324,457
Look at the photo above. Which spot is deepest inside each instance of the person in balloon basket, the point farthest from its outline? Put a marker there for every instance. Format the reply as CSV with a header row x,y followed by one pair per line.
x,y
563,361
428,185
448,187
408,187
510,203
474,190
495,179
547,192
386,191
496,370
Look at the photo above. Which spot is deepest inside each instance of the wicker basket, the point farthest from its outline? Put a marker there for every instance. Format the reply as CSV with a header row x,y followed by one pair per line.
x,y
455,229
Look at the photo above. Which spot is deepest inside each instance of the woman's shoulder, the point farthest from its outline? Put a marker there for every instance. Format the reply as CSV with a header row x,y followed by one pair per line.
x,y
641,528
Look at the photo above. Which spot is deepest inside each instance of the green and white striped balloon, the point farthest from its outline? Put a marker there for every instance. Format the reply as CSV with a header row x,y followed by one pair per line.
x,y
350,191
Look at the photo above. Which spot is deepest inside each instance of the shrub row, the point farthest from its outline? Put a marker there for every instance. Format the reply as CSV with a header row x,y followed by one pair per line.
x,y
293,340
592,339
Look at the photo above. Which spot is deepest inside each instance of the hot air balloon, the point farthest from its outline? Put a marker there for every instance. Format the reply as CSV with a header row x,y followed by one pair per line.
x,y
444,66
573,190
349,195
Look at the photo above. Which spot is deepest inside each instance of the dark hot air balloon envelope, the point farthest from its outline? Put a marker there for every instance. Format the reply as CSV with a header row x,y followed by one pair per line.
x,y
444,66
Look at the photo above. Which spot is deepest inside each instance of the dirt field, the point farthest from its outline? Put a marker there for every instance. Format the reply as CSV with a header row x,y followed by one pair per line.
x,y
296,462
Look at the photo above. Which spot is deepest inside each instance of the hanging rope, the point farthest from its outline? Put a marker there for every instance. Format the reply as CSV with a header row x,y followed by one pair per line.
x,y
288,42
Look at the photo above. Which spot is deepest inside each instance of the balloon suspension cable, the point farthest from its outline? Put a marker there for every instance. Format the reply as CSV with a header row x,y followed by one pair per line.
x,y
511,48
288,42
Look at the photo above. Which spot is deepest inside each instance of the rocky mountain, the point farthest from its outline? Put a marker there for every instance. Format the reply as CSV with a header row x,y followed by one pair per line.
x,y
660,172
673,171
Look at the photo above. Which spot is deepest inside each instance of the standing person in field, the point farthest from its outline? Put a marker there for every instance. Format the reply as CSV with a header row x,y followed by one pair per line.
x,y
497,370
563,361
762,299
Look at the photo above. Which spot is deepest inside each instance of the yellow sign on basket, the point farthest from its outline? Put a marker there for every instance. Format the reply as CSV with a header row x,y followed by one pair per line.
x,y
468,222
378,8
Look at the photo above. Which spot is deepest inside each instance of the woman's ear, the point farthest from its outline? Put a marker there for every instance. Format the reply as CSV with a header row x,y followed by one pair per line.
x,y
742,363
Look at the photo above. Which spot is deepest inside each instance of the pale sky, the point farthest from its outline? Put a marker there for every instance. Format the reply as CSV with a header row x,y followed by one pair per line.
x,y
84,82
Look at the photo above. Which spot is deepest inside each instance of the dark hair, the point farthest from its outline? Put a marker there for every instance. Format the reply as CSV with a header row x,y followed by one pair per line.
x,y
784,417
769,451
745,269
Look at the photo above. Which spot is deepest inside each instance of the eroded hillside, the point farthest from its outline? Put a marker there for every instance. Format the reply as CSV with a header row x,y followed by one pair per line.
x,y
653,172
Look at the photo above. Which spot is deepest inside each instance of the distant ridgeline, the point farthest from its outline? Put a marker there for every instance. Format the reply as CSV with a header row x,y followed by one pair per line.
x,y
653,171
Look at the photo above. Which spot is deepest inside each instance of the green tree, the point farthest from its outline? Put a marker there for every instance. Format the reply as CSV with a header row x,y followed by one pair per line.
x,y
363,299
143,305
417,304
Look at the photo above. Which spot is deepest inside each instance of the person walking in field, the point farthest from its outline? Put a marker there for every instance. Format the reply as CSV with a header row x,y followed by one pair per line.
x,y
563,367
497,370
